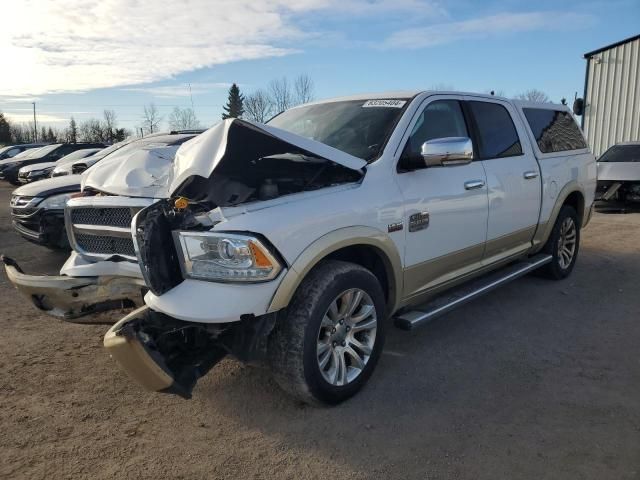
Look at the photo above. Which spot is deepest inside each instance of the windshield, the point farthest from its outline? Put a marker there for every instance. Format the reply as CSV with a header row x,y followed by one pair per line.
x,y
28,153
40,152
78,154
621,153
357,127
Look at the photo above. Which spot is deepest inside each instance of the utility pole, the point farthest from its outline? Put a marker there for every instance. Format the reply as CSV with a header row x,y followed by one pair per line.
x,y
35,125
190,95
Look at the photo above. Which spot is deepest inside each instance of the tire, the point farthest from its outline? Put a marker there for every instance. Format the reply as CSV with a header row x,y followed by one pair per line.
x,y
314,327
559,244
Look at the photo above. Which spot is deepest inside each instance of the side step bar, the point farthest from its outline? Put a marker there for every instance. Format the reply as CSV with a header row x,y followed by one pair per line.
x,y
426,312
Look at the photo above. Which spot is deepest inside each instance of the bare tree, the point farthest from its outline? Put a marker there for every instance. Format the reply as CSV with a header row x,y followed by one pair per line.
x,y
303,88
183,119
91,130
533,95
109,124
280,94
258,106
151,118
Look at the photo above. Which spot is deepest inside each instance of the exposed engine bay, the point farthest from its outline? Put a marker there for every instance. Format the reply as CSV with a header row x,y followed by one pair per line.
x,y
258,166
618,194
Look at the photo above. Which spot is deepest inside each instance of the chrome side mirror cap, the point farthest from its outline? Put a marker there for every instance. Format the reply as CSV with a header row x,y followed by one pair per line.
x,y
443,152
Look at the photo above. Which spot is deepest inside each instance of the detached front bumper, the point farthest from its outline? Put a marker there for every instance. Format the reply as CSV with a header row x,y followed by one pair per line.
x,y
164,354
71,298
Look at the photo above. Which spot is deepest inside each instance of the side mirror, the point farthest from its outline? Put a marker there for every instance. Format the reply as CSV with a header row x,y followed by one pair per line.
x,y
443,152
578,106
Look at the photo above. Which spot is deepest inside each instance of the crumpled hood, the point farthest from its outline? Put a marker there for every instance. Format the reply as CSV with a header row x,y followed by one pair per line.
x,y
621,171
142,173
201,155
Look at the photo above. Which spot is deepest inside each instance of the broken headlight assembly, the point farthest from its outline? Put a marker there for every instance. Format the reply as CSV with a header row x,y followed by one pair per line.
x,y
225,257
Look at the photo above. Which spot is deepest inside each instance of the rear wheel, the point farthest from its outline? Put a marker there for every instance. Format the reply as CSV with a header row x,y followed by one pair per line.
x,y
327,344
563,244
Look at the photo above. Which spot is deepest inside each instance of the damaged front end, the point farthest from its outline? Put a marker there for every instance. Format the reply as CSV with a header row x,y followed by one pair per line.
x,y
168,355
616,195
73,298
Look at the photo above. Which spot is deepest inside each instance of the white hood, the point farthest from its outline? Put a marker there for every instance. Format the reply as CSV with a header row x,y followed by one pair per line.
x,y
619,171
143,173
201,155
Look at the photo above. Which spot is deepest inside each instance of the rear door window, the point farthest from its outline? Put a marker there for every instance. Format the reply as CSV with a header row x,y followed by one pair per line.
x,y
497,135
554,130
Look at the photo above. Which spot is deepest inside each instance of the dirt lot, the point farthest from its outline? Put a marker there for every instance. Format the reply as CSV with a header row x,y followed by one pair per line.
x,y
538,380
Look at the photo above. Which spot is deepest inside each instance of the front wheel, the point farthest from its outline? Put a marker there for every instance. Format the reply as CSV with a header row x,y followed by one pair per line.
x,y
324,349
563,244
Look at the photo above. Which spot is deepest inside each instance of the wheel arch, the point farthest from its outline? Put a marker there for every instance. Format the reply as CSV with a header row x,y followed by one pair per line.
x,y
365,246
572,194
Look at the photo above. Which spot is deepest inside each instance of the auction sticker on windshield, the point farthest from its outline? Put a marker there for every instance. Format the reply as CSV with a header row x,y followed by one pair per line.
x,y
384,103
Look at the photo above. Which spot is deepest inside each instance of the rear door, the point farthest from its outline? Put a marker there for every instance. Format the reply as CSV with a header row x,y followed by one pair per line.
x,y
513,177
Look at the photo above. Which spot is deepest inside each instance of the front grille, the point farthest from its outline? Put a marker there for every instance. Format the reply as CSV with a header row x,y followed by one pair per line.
x,y
105,245
21,212
111,217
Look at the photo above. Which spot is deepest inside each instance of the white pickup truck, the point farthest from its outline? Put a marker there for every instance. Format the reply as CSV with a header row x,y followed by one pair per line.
x,y
290,244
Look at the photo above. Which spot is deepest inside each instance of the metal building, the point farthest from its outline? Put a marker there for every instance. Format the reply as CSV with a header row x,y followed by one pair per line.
x,y
612,95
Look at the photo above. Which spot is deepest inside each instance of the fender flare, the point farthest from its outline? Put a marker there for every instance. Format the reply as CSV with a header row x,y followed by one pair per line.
x,y
544,228
331,242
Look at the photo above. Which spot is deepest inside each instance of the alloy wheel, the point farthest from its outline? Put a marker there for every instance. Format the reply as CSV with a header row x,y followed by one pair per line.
x,y
346,337
567,242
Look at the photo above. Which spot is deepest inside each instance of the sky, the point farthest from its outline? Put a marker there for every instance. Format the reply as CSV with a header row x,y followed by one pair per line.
x,y
79,57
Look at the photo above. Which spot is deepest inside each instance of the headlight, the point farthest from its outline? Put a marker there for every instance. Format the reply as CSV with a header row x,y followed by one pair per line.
x,y
56,202
225,257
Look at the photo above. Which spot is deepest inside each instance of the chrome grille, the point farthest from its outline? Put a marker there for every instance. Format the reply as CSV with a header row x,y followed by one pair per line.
x,y
105,245
113,217
101,231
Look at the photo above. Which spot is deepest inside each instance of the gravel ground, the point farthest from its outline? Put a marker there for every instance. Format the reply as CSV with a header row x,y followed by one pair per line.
x,y
539,380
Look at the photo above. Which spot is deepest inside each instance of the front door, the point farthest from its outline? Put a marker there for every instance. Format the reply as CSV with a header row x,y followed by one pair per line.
x,y
445,207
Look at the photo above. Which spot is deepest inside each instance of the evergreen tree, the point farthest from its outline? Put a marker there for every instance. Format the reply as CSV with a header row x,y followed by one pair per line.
x,y
234,107
51,137
73,131
43,134
5,130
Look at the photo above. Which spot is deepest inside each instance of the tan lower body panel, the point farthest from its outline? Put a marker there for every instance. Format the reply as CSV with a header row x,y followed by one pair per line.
x,y
133,357
431,277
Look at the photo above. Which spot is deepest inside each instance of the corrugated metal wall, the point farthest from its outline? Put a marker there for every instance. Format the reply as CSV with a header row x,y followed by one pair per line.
x,y
612,112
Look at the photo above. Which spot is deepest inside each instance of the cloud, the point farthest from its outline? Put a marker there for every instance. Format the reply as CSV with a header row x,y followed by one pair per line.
x,y
78,45
28,117
490,26
180,89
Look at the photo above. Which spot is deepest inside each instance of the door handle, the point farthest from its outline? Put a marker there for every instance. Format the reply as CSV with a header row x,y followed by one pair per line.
x,y
473,184
530,175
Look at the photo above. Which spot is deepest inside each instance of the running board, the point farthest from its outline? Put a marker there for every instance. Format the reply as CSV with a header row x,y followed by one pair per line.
x,y
428,311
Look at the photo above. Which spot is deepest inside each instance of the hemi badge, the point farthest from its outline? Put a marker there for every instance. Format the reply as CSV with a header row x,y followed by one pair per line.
x,y
395,227
418,221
